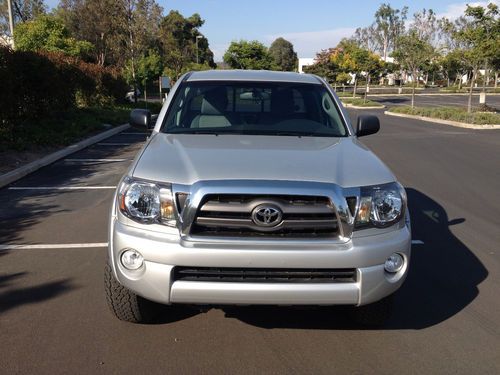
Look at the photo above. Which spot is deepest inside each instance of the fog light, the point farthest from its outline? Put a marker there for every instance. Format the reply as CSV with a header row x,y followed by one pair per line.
x,y
394,263
132,259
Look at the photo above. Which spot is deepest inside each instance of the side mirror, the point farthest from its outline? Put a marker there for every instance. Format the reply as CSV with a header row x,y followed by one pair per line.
x,y
367,125
141,118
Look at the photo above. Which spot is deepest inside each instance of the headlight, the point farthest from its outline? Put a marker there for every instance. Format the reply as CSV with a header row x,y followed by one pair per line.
x,y
381,206
147,202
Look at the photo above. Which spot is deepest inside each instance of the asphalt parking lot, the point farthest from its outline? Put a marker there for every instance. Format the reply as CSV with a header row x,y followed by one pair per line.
x,y
53,316
435,100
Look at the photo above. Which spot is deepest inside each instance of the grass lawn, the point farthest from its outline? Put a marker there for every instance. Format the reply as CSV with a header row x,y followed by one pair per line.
x,y
464,90
358,102
347,94
452,114
64,128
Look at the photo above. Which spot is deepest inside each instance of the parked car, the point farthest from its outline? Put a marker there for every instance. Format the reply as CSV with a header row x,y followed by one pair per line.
x,y
130,95
254,189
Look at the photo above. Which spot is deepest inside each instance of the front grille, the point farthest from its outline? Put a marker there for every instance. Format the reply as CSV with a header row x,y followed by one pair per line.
x,y
230,215
265,275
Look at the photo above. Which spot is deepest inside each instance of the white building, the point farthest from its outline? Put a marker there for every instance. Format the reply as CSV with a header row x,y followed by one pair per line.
x,y
305,61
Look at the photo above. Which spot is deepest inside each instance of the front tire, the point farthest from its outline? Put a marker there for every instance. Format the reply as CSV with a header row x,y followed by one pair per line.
x,y
126,305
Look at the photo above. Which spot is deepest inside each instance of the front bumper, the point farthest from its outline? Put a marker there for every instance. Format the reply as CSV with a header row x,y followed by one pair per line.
x,y
162,252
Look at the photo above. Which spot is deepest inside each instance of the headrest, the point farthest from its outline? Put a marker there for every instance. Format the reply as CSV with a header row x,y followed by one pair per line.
x,y
214,101
282,101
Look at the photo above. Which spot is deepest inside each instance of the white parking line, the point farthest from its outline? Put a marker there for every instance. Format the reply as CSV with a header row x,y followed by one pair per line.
x,y
97,160
61,187
55,246
114,144
417,242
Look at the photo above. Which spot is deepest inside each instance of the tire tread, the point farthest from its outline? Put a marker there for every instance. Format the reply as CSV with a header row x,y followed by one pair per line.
x,y
123,303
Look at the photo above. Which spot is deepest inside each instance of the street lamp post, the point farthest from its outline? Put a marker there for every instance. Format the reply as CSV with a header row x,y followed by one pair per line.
x,y
197,58
11,21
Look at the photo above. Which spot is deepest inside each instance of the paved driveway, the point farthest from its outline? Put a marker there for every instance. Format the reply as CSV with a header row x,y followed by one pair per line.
x,y
53,317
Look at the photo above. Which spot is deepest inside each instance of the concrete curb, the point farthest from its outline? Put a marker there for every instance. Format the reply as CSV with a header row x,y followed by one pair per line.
x,y
445,122
357,107
20,172
427,94
435,94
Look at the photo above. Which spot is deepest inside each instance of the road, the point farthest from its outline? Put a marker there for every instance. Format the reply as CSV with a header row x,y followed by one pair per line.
x,y
54,320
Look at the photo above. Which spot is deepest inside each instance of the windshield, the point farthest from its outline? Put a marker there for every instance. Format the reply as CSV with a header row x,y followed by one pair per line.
x,y
260,108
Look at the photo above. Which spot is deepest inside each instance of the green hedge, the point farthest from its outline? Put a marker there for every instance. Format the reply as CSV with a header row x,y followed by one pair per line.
x,y
452,114
358,102
38,88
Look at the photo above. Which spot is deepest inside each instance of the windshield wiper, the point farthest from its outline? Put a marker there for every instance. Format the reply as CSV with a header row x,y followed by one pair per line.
x,y
198,131
294,134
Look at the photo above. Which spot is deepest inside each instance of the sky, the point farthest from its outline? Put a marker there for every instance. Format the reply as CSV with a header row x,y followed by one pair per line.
x,y
310,25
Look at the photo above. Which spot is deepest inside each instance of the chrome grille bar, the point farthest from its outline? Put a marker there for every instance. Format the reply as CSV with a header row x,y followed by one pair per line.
x,y
231,215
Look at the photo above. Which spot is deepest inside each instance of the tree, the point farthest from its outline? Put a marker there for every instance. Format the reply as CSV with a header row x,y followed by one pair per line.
x,y
48,33
349,57
370,65
425,25
182,44
324,67
248,55
284,56
389,25
135,23
412,53
23,10
189,67
147,67
366,37
119,29
97,21
453,67
495,65
479,37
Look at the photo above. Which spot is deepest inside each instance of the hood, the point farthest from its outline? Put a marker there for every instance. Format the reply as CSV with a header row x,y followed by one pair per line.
x,y
188,158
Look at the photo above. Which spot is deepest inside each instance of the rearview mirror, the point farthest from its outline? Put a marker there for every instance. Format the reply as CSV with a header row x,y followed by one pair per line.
x,y
140,118
367,125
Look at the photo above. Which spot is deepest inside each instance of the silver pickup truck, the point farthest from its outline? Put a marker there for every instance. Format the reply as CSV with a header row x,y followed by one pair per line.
x,y
253,189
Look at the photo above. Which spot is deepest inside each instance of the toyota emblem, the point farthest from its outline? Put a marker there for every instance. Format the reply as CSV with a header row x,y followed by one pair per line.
x,y
266,215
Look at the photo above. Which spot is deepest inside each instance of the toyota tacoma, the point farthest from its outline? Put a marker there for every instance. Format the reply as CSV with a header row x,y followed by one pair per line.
x,y
254,189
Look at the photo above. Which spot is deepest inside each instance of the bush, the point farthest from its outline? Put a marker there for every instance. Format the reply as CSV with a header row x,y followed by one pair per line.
x,y
452,114
40,86
358,102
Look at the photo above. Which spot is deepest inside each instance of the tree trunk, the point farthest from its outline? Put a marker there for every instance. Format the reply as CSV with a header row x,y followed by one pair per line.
x,y
367,87
413,91
496,80
469,102
355,84
11,23
485,80
485,77
386,47
102,54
